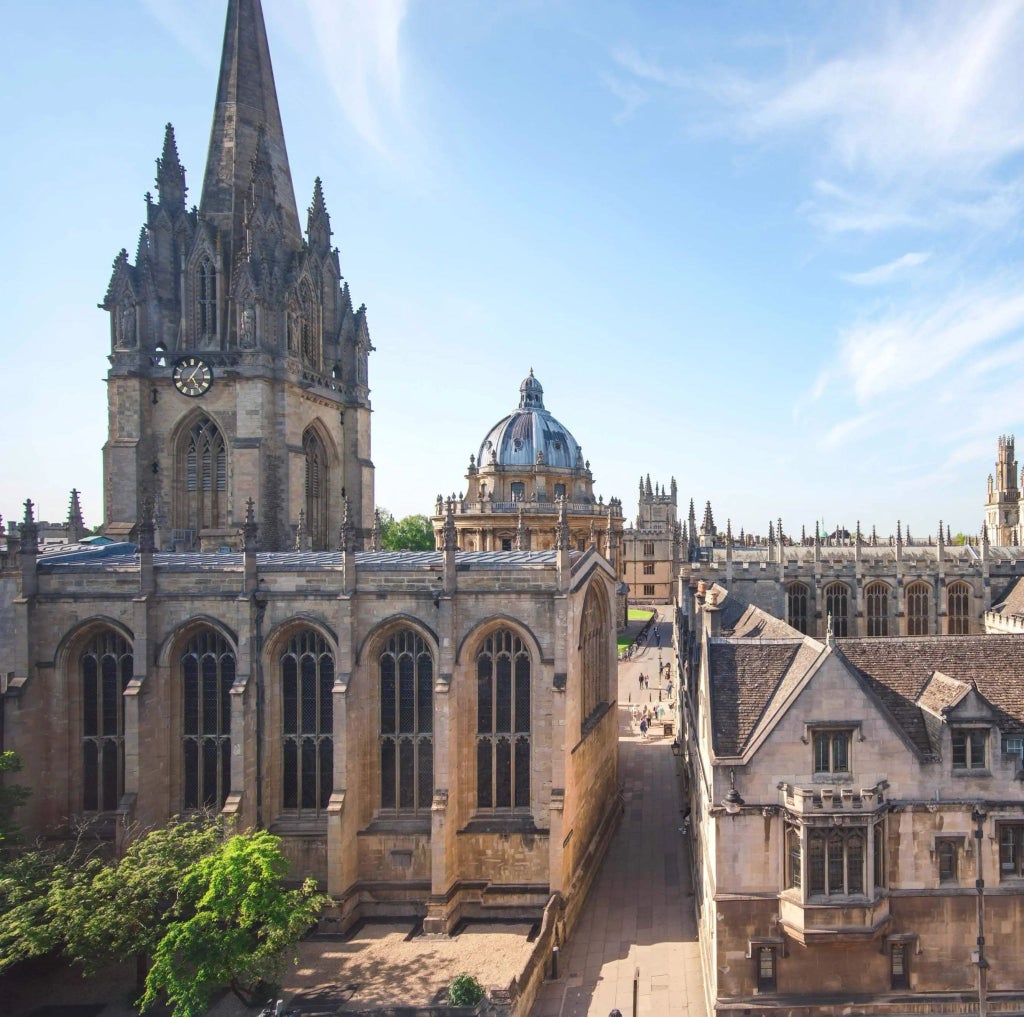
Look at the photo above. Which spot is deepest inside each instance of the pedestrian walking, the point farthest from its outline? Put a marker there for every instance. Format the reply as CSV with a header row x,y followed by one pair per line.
x,y
647,681
641,679
643,728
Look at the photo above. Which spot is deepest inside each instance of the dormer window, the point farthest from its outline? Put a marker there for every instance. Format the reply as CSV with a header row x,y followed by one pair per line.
x,y
970,748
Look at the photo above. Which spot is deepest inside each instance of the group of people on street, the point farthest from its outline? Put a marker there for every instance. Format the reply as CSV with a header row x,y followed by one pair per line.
x,y
646,715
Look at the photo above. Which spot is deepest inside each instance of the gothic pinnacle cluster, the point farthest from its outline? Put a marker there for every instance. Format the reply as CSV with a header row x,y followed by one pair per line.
x,y
235,286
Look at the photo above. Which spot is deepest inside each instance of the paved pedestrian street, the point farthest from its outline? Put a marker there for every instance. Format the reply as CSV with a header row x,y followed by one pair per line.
x,y
639,916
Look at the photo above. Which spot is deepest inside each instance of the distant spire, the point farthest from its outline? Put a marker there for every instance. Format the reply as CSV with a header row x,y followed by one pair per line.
x,y
707,527
318,222
647,486
246,103
170,174
76,526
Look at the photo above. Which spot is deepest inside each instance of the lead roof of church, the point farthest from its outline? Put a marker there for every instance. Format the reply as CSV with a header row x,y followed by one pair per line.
x,y
516,439
112,556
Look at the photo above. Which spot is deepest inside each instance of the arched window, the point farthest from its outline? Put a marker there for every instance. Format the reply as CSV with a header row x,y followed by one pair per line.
x,y
958,608
204,468
207,674
105,666
317,490
307,727
876,598
593,655
837,605
307,312
796,606
917,609
206,300
503,723
406,671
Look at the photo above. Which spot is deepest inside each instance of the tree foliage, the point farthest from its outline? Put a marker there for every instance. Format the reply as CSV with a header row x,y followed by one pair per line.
x,y
231,924
11,796
413,533
110,911
26,881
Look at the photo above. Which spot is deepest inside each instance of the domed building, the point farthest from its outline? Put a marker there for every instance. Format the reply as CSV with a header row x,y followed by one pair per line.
x,y
527,463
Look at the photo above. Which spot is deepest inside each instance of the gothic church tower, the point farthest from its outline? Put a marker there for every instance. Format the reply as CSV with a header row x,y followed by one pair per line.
x,y
238,363
1002,506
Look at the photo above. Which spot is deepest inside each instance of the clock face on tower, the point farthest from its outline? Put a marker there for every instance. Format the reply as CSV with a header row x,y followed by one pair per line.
x,y
192,376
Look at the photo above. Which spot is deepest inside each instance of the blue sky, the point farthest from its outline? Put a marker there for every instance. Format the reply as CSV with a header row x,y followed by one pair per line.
x,y
773,250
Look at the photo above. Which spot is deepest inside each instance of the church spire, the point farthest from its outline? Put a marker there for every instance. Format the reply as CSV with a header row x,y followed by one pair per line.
x,y
318,222
246,105
170,174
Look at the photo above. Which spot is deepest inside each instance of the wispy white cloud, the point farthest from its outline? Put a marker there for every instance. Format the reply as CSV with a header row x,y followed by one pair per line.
x,y
886,273
180,19
917,113
359,46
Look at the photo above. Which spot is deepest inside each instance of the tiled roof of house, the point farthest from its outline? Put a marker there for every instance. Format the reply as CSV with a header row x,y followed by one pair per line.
x,y
754,671
898,670
1013,602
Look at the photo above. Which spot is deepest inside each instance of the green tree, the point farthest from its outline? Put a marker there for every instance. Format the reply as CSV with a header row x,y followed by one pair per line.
x,y
26,926
11,796
231,925
111,911
413,533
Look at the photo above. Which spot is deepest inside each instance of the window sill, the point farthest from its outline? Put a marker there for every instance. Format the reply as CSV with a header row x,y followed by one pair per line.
x,y
823,777
401,826
503,825
982,771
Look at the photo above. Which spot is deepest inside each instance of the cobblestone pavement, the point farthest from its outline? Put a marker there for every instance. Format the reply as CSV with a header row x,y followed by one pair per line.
x,y
639,916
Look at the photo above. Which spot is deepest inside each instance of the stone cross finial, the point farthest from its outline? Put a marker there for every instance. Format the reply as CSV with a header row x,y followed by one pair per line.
x,y
348,533
520,541
376,543
451,535
300,532
250,531
562,527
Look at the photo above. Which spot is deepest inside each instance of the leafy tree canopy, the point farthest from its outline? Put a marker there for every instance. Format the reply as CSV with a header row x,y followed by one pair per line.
x,y
413,533
11,796
231,924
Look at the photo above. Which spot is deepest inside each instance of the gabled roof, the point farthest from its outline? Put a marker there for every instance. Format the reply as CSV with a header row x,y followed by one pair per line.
x,y
900,669
941,693
1013,602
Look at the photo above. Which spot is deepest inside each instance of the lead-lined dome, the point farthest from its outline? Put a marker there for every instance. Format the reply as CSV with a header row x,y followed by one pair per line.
x,y
516,439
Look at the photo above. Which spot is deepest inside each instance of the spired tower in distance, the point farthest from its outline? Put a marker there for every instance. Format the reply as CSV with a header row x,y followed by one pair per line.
x,y
238,364
1002,506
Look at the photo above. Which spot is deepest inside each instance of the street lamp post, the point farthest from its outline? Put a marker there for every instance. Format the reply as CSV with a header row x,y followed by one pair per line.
x,y
978,818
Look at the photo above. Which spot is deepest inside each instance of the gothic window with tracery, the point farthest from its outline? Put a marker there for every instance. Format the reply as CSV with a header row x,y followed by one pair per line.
x,y
307,727
876,600
206,300
307,312
105,667
317,490
917,609
406,671
204,469
594,658
958,608
207,667
503,723
837,605
797,596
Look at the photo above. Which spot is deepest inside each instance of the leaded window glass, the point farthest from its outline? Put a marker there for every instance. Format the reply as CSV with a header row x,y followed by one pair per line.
x,y
307,729
503,722
207,672
796,606
406,673
105,666
876,598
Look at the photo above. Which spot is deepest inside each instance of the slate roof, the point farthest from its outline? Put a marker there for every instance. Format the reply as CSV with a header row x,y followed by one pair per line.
x,y
899,669
748,677
761,661
1013,602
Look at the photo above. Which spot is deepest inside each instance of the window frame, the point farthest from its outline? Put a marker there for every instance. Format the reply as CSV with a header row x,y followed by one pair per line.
x,y
798,601
1010,834
876,609
304,645
766,976
947,852
491,741
833,732
406,642
967,757
917,608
